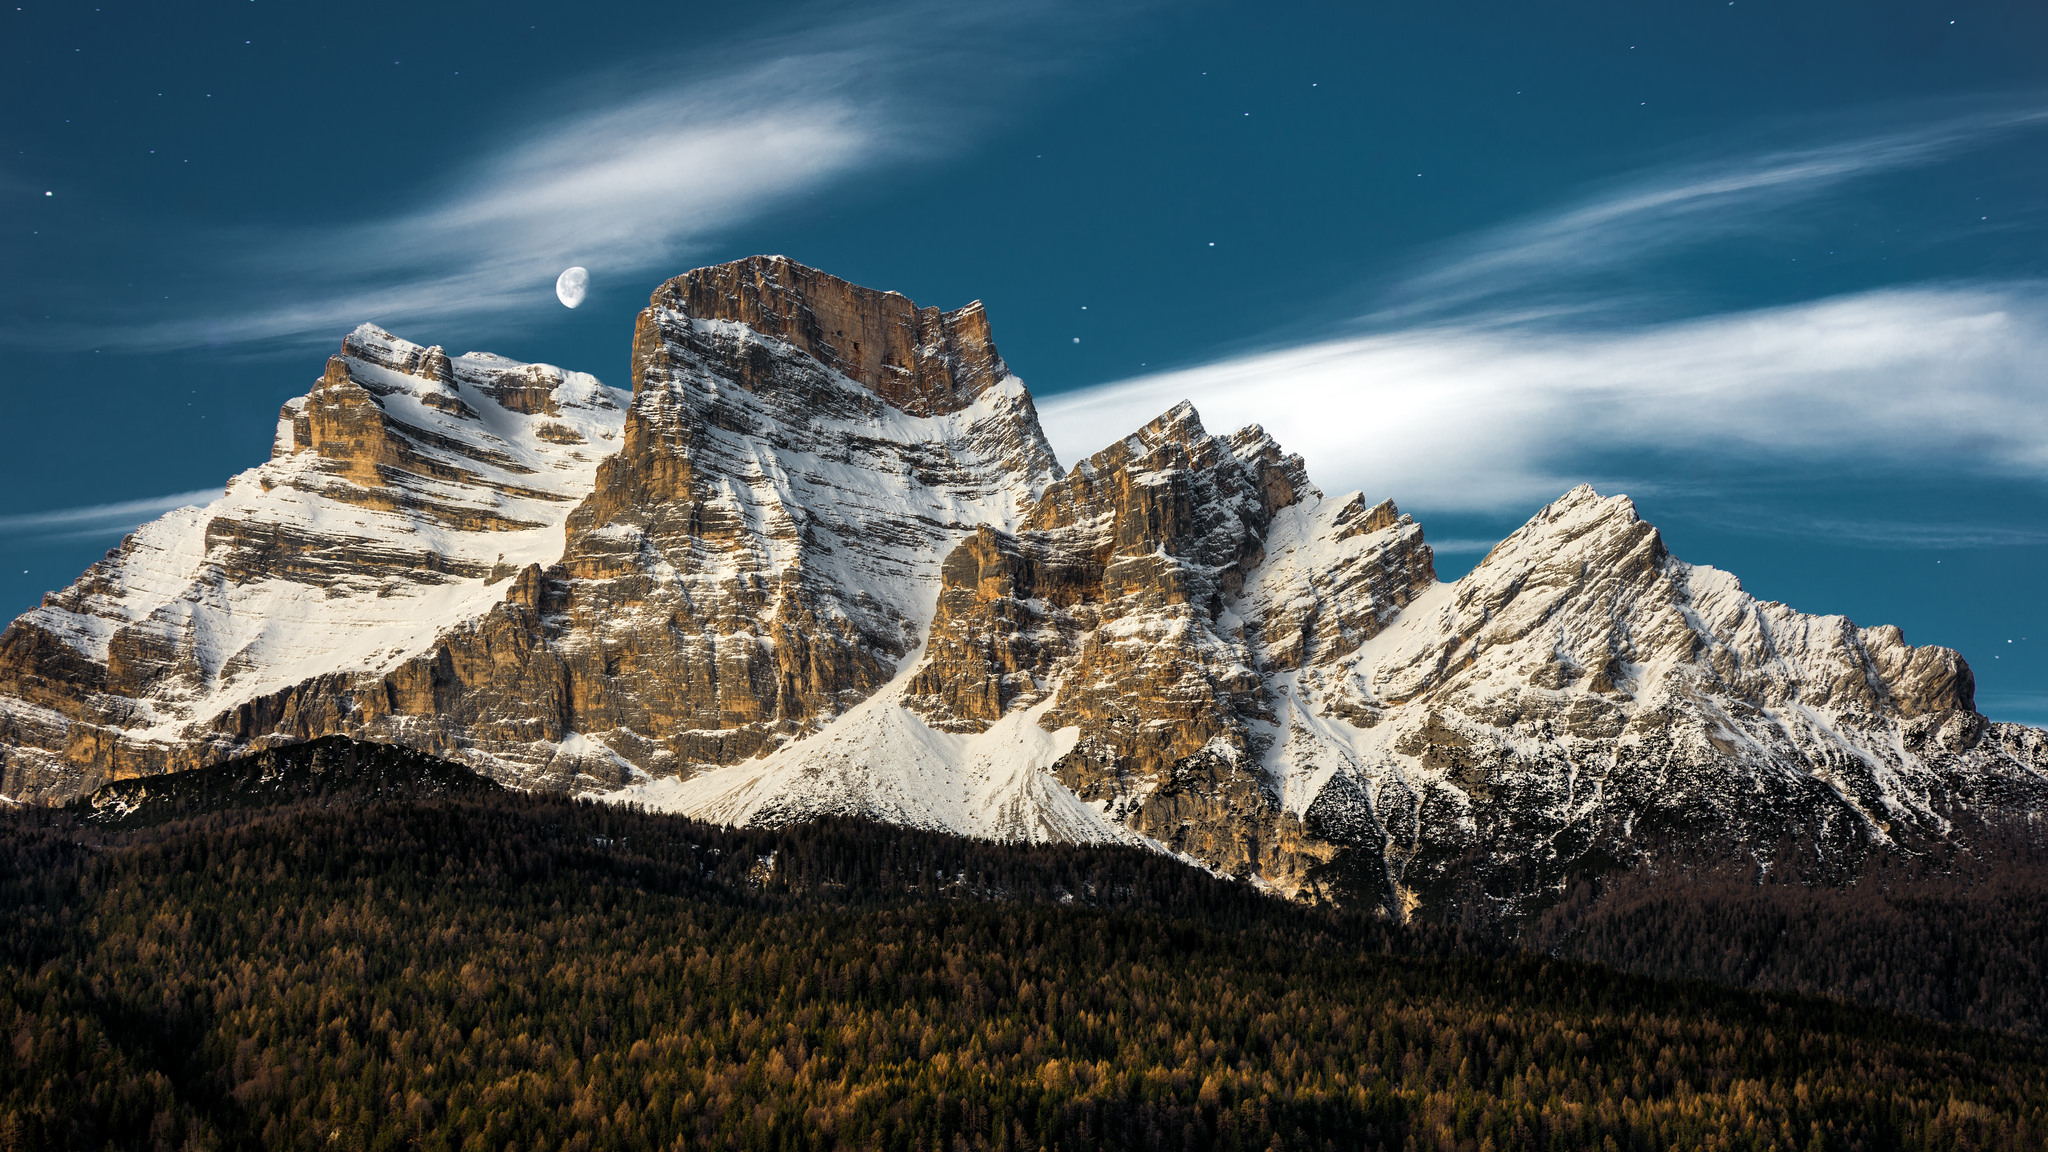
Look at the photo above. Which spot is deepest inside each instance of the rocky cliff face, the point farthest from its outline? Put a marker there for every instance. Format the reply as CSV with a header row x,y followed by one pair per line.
x,y
763,550
588,588
1582,697
402,492
1184,644
1116,607
822,561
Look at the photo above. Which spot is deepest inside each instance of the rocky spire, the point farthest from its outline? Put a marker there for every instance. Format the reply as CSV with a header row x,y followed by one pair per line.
x,y
923,361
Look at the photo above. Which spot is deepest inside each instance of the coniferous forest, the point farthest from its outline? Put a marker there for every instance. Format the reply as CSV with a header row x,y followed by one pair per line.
x,y
316,963
1951,935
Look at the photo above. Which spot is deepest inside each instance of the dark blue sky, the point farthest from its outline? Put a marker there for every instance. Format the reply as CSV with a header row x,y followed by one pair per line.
x,y
1775,269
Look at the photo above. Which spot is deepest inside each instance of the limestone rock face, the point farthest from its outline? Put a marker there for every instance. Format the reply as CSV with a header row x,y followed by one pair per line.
x,y
1206,655
1115,604
763,550
727,562
920,360
401,492
1582,697
821,561
1113,607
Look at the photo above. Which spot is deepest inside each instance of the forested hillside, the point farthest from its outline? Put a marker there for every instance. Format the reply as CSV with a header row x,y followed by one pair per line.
x,y
498,970
1945,933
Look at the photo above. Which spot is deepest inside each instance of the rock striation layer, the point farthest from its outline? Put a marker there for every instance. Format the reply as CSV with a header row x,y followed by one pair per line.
x,y
402,492
822,561
726,561
1581,697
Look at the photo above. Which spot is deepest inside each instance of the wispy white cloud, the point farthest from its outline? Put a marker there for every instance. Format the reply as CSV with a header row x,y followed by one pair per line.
x,y
1649,215
97,519
1493,381
1879,533
636,179
1462,545
2021,707
1489,418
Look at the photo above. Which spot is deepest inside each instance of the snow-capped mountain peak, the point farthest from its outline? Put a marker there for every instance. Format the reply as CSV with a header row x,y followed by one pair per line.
x,y
821,560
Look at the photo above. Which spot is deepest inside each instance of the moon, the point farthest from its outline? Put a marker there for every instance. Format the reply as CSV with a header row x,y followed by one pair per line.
x,y
571,286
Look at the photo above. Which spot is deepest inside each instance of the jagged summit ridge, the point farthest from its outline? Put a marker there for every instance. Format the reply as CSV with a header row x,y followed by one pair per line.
x,y
745,549
1583,694
402,489
1589,588
763,551
821,561
921,360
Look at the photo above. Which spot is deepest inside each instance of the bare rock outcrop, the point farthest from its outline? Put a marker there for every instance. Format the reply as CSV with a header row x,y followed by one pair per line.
x,y
726,563
919,360
398,493
821,561
1117,605
1583,697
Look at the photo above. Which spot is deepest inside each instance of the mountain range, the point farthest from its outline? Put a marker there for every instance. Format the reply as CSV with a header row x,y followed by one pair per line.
x,y
820,560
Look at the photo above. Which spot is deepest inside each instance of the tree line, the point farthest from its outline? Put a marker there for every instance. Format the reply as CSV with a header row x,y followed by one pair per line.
x,y
1954,931
491,970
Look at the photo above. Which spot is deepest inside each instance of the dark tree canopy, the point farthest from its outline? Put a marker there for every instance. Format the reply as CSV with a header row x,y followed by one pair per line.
x,y
469,968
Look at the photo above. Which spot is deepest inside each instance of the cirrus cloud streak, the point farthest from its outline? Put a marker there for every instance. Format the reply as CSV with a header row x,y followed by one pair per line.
x,y
94,520
1488,418
1519,267
641,177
